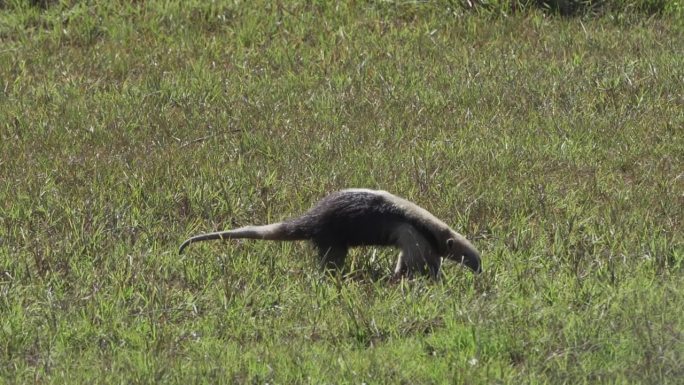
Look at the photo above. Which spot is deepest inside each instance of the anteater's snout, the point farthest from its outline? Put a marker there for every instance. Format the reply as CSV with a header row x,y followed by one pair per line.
x,y
473,262
475,266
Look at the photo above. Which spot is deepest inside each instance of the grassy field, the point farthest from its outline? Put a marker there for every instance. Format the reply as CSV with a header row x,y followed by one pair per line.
x,y
555,144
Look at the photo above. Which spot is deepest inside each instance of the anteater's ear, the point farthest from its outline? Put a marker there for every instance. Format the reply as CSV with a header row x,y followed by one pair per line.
x,y
450,243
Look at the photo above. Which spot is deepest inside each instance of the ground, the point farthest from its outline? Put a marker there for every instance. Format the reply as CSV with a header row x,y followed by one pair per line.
x,y
553,143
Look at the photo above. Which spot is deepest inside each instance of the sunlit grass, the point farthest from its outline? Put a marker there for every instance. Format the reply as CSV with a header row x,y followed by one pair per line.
x,y
554,144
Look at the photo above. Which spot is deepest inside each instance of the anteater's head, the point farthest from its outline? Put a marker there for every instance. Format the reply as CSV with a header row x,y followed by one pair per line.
x,y
462,251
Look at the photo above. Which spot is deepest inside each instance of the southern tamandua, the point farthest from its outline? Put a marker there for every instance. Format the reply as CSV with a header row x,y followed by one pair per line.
x,y
362,217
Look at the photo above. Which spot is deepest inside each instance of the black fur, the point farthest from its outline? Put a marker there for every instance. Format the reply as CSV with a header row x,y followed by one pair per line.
x,y
346,219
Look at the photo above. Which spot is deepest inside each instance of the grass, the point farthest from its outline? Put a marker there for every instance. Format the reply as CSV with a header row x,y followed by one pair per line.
x,y
555,144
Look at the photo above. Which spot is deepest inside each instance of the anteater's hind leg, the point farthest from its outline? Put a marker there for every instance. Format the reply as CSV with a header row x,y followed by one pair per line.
x,y
332,257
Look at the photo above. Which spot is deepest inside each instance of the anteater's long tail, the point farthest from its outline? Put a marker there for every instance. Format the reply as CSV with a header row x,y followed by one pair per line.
x,y
274,232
